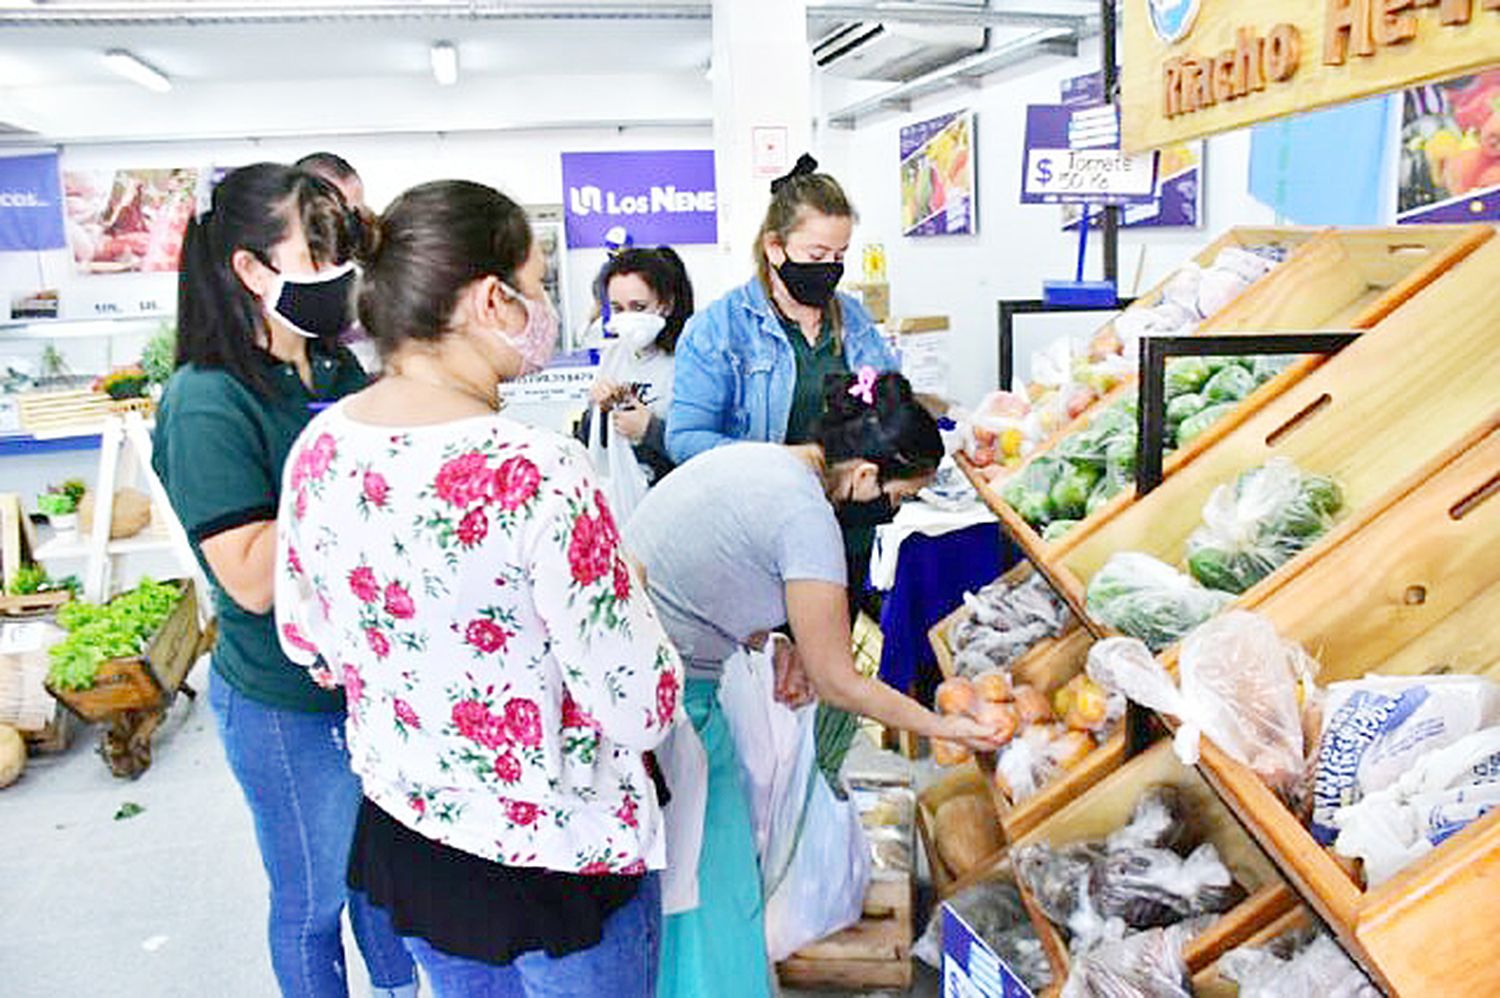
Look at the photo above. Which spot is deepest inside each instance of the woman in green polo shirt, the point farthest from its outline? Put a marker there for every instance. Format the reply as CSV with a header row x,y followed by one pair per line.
x,y
265,290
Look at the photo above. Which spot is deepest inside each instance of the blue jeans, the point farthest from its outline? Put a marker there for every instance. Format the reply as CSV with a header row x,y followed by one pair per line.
x,y
293,769
622,965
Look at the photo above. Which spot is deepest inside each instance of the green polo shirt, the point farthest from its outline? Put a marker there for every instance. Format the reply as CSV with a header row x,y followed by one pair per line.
x,y
219,450
814,363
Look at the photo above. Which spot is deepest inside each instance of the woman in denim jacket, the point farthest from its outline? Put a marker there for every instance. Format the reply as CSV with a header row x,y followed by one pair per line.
x,y
752,365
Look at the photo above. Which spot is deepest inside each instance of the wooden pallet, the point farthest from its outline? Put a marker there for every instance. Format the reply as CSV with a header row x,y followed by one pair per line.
x,y
873,953
1108,806
1370,418
1426,600
1340,279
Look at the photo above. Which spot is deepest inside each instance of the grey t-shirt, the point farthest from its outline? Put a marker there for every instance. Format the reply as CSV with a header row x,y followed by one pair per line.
x,y
722,535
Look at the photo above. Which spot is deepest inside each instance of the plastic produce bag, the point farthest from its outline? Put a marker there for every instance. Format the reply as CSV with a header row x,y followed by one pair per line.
x,y
1144,598
1186,376
1440,795
996,914
1151,888
1375,729
1231,384
622,477
1145,965
1318,969
815,870
1194,426
1256,525
1029,493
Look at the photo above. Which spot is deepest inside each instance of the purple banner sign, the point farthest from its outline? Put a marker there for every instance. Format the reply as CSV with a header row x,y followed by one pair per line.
x,y
31,203
661,197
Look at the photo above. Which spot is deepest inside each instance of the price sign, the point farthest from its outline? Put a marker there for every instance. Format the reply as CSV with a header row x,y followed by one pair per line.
x,y
1072,156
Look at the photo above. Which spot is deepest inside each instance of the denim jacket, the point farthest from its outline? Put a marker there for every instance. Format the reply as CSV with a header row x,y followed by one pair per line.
x,y
736,371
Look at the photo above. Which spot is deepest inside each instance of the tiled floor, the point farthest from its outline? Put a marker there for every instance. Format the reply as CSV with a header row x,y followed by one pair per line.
x,y
167,904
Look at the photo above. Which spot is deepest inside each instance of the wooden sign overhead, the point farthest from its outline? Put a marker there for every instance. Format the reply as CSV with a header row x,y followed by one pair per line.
x,y
1198,67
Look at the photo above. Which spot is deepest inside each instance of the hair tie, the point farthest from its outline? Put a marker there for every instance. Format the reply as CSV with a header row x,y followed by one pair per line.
x,y
805,165
864,386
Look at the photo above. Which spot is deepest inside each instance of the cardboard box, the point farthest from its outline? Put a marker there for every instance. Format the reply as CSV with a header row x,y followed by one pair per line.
x,y
875,297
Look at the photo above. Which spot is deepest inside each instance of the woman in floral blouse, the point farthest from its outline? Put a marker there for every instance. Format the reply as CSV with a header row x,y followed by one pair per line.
x,y
460,575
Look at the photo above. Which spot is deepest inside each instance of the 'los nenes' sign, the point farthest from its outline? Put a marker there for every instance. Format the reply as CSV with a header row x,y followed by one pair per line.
x,y
1197,67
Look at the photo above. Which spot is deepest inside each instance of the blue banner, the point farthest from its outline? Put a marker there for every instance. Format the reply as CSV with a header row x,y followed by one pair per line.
x,y
31,204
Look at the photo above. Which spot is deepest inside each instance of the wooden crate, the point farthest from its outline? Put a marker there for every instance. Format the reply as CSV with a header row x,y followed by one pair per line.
x,y
68,413
875,952
1412,587
1370,418
938,634
970,779
1108,806
1339,279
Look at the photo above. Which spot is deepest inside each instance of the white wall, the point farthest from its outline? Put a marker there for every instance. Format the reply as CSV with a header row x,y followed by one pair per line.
x,y
525,164
1017,247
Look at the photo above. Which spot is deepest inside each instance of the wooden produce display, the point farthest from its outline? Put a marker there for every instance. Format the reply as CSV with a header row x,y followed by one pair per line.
x,y
1370,418
1411,587
1339,279
132,695
967,786
1108,806
874,953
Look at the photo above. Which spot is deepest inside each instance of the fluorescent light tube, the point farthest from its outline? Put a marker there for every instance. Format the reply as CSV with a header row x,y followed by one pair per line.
x,y
137,71
445,63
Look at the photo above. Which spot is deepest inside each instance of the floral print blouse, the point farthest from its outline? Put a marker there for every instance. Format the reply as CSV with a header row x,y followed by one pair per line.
x,y
503,666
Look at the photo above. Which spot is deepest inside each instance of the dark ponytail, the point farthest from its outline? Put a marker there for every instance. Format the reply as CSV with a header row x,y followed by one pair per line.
x,y
877,419
219,322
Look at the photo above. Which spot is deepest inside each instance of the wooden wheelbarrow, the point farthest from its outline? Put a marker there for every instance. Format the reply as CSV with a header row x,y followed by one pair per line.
x,y
132,695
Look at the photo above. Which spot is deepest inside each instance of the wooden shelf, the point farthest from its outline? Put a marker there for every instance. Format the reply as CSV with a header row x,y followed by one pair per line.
x,y
73,546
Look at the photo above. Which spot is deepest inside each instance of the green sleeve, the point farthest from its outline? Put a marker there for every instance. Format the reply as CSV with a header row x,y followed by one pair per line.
x,y
216,466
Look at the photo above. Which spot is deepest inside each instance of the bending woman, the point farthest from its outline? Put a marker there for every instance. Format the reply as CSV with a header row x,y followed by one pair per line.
x,y
766,549
461,574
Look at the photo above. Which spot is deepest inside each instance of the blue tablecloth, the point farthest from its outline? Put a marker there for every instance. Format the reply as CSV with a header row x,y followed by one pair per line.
x,y
932,574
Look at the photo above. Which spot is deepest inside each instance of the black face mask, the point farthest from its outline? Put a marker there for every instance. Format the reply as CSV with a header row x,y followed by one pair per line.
x,y
867,514
317,308
811,284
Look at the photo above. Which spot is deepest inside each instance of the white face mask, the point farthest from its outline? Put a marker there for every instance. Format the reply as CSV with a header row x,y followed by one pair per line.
x,y
638,329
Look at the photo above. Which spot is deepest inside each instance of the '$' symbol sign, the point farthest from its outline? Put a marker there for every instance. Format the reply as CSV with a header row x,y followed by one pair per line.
x,y
1043,172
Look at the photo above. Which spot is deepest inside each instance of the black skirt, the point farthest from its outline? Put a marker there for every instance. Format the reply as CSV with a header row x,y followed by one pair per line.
x,y
472,907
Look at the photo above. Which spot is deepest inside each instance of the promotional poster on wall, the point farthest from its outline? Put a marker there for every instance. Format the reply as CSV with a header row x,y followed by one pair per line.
x,y
938,194
128,221
1450,151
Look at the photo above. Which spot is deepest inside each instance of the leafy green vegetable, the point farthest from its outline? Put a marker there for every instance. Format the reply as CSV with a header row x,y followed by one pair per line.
x,y
1186,376
1230,385
1184,407
1029,492
29,579
97,633
159,358
56,504
1144,598
1070,493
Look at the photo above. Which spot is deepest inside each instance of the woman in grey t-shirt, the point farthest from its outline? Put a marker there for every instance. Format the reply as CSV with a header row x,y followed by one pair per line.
x,y
735,543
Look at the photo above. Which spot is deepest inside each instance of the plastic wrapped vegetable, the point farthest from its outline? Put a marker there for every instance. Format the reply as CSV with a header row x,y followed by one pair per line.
x,y
1183,408
1151,888
1230,385
1162,819
1256,525
1029,492
1198,424
1058,529
1144,598
1186,376
1070,492
1059,879
1296,966
1145,965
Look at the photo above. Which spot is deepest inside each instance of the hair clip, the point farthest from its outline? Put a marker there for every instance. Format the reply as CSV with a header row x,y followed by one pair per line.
x,y
864,386
805,165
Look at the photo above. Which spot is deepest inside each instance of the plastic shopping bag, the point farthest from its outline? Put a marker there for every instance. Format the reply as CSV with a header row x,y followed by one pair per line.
x,y
684,765
623,478
765,734
816,868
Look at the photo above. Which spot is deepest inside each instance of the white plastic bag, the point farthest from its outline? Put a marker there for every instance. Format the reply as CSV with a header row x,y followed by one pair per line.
x,y
1445,791
1320,970
765,733
623,478
684,766
1240,687
816,868
1376,728
1148,599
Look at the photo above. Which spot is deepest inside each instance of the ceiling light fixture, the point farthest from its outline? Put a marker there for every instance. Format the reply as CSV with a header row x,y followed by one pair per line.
x,y
136,70
445,63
